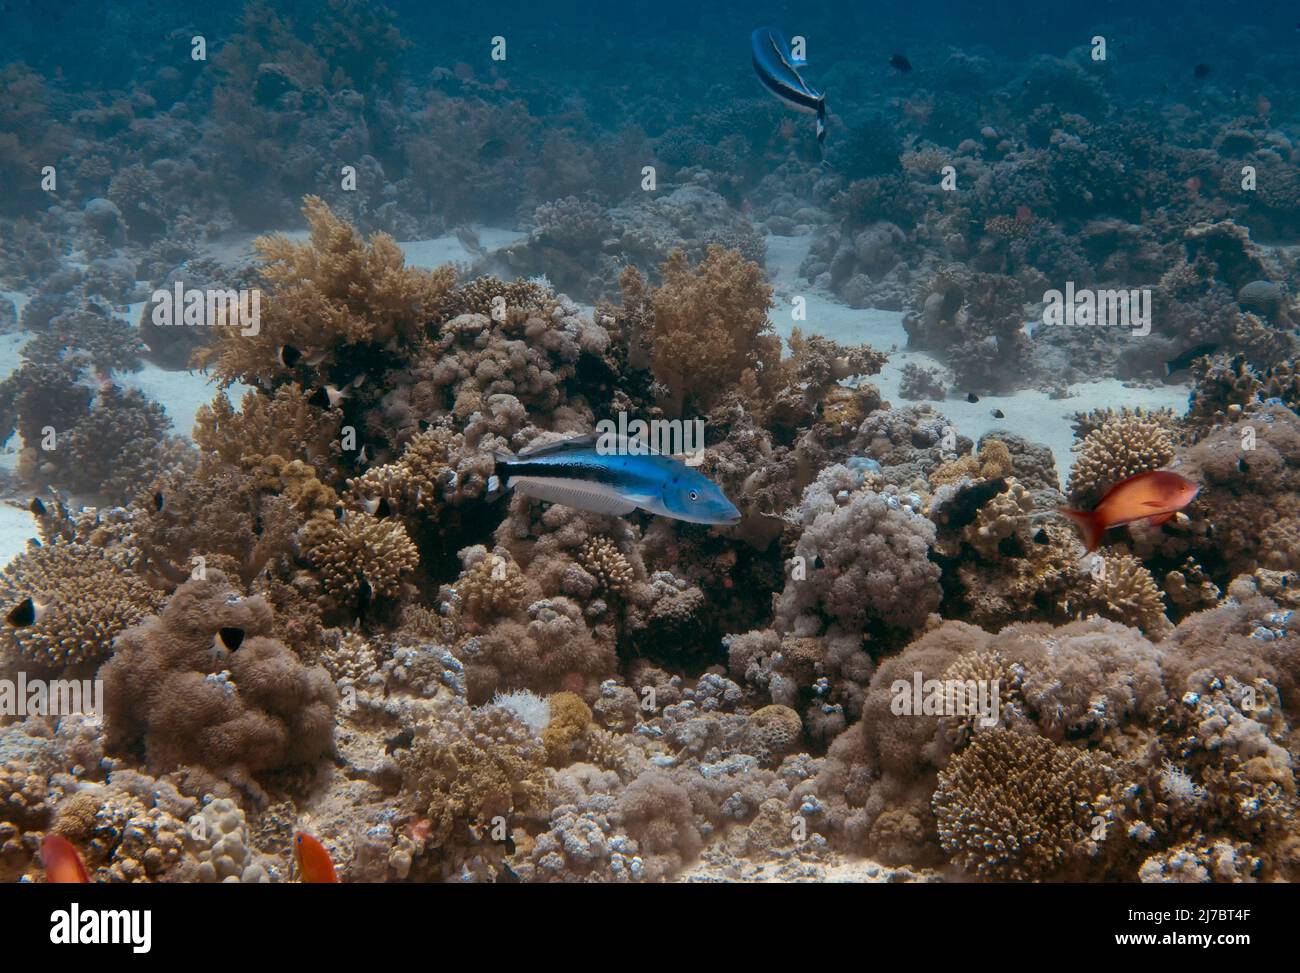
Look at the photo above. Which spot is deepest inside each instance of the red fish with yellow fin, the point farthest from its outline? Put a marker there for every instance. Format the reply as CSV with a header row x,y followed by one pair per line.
x,y
1154,497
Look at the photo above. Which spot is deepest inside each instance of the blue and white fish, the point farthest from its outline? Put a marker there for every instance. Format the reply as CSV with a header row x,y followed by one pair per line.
x,y
615,481
776,69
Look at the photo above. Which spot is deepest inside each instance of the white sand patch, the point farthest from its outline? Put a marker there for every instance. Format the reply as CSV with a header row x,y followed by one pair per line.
x,y
16,526
19,299
1029,413
448,249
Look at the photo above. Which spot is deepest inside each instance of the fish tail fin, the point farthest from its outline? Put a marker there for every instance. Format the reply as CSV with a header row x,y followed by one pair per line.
x,y
497,482
1089,524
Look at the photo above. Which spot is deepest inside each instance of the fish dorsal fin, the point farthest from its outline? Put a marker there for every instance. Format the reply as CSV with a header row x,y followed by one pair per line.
x,y
575,442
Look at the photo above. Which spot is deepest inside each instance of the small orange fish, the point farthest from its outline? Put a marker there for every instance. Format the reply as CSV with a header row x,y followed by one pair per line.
x,y
314,863
1153,497
63,864
1193,185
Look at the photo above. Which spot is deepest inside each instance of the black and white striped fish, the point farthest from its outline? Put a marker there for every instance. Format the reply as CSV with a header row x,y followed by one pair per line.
x,y
776,70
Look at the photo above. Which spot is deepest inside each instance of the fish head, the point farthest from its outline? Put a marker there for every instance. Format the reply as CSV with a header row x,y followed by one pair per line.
x,y
693,497
1183,491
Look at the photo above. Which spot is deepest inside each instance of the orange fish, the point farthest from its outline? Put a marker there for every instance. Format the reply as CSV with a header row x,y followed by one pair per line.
x,y
1153,497
63,864
314,863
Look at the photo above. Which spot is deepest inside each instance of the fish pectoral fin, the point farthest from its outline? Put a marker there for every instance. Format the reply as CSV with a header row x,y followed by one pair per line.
x,y
1152,503
576,493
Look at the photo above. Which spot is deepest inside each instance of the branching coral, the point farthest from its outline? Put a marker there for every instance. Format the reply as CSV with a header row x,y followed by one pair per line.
x,y
330,293
360,559
1123,589
1019,807
1122,447
467,767
720,304
91,593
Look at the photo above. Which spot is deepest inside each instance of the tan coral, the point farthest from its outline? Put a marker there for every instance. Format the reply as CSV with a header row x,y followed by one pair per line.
x,y
1018,807
567,730
357,551
1123,589
986,670
1123,447
722,305
468,766
607,564
330,291
992,462
491,586
91,597
999,519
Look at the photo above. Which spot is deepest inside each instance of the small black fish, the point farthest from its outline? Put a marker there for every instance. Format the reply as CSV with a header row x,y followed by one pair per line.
x,y
159,501
1190,355
972,398
1041,537
900,64
326,397
424,424
26,612
1201,71
1242,465
230,638
289,356
378,508
364,596
340,512
999,414
818,562
37,507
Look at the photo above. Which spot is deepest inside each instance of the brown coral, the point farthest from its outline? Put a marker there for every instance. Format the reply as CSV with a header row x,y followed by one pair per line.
x,y
91,594
721,304
181,696
330,292
1013,806
359,559
1124,446
1123,589
607,564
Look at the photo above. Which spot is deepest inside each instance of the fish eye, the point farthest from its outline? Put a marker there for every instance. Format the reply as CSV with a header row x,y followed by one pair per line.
x,y
693,495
